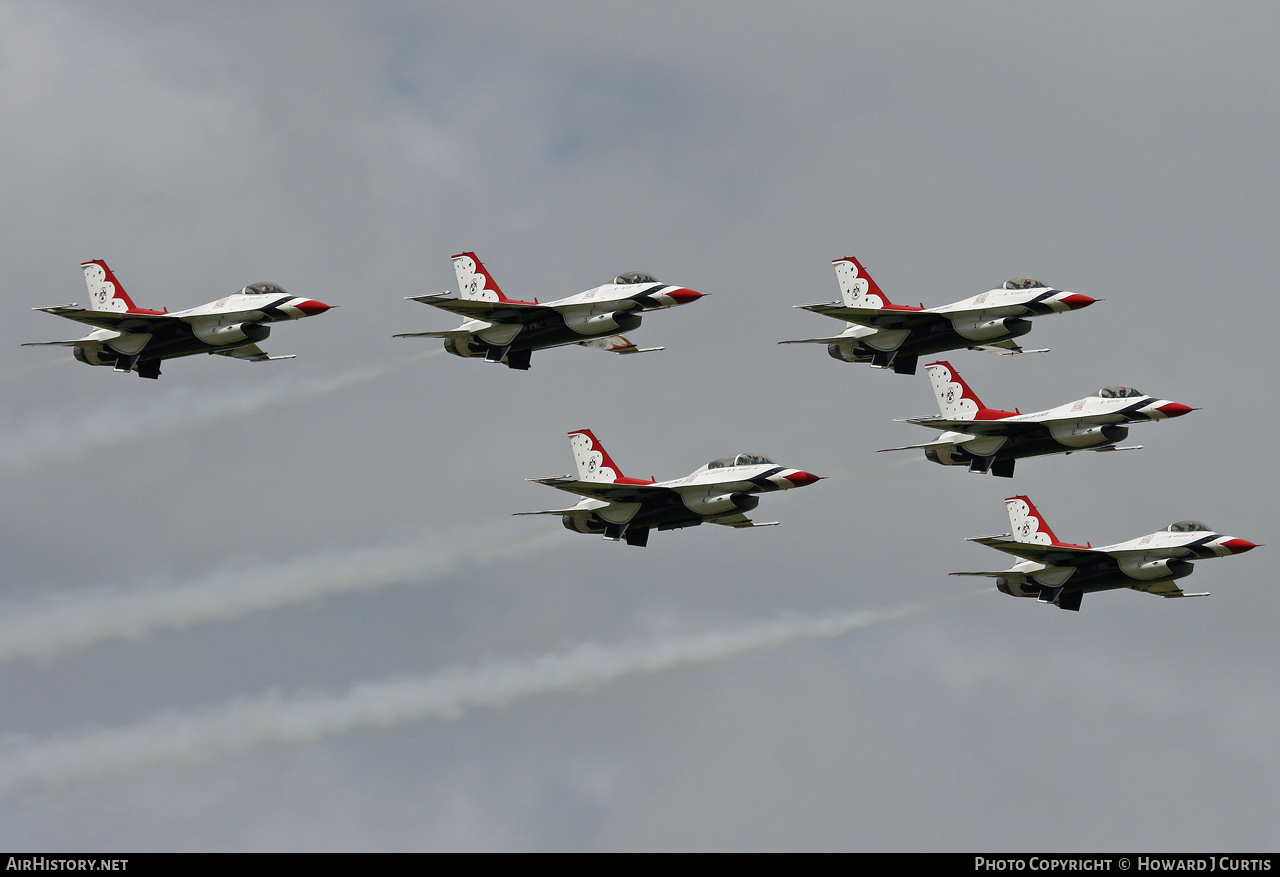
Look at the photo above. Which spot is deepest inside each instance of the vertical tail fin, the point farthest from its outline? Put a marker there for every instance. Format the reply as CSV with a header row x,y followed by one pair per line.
x,y
474,280
856,286
105,292
1027,522
594,462
956,400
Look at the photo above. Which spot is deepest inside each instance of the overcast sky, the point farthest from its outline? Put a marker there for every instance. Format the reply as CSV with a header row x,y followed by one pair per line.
x,y
284,606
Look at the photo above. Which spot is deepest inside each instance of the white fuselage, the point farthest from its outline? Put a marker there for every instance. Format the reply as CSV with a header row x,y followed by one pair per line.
x,y
980,319
1085,423
1158,556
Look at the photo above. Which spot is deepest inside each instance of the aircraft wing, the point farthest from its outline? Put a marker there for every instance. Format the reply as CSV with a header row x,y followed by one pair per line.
x,y
617,344
877,318
121,321
493,311
1008,347
1165,589
738,519
978,427
251,352
607,490
1053,555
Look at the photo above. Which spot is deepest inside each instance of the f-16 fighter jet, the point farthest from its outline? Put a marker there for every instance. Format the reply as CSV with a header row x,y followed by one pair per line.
x,y
627,508
1062,573
988,440
506,330
130,338
895,336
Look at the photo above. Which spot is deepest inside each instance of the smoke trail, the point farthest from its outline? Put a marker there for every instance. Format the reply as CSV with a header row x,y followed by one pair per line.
x,y
68,435
242,725
60,625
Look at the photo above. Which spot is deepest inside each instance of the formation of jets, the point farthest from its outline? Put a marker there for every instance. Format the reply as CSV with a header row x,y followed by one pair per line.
x,y
1059,572
989,440
896,336
619,507
507,330
886,335
129,338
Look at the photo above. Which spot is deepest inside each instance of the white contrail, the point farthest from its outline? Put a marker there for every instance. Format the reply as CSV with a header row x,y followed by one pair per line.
x,y
71,434
52,627
191,738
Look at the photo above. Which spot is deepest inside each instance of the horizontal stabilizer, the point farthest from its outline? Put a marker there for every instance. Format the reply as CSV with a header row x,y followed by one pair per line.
x,y
1114,448
835,340
74,343
455,334
924,446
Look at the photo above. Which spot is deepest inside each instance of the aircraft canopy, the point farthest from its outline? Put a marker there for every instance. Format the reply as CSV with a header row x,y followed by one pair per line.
x,y
634,277
1119,392
1189,527
263,288
1025,283
740,460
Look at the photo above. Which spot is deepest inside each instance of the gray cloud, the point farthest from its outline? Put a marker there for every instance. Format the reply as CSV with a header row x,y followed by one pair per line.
x,y
1121,152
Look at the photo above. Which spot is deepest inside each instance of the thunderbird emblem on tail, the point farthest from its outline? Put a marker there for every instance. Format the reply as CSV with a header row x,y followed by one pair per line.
x,y
506,330
1058,572
129,338
628,508
896,336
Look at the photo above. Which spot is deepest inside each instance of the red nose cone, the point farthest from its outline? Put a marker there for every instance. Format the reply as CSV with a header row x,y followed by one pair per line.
x,y
1174,409
801,479
1239,546
682,296
312,307
1075,301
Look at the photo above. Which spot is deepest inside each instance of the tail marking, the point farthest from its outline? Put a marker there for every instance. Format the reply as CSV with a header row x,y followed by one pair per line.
x,y
475,283
1027,522
105,292
956,399
856,286
594,462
